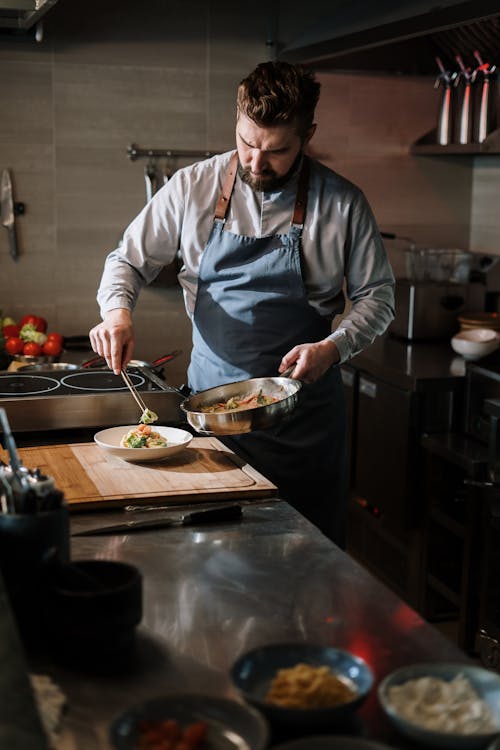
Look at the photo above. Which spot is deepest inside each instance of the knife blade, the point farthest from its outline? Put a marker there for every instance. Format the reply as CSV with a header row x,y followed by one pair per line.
x,y
212,515
7,212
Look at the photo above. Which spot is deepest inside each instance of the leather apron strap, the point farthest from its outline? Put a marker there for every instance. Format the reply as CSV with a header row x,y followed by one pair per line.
x,y
299,210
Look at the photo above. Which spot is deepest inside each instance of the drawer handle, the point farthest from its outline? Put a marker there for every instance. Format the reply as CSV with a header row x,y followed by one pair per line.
x,y
368,388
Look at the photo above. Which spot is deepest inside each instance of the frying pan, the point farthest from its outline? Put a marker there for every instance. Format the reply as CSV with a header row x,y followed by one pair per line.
x,y
237,422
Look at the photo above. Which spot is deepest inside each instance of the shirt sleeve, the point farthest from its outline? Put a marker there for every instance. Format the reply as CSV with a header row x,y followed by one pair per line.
x,y
149,243
369,283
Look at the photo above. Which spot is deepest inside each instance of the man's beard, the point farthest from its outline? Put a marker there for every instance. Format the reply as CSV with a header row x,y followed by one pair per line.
x,y
268,180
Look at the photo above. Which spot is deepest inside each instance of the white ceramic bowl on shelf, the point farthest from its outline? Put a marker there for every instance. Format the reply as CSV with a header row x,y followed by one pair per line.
x,y
475,343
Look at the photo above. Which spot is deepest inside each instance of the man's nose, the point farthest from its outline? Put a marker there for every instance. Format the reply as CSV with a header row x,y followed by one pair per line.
x,y
257,161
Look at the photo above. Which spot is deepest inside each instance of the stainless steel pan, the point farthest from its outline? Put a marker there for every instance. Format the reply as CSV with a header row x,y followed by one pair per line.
x,y
237,422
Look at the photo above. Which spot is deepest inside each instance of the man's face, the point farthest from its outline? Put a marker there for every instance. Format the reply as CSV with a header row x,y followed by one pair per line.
x,y
267,154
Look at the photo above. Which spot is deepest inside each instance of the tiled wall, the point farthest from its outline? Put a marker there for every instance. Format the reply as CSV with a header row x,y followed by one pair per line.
x,y
164,75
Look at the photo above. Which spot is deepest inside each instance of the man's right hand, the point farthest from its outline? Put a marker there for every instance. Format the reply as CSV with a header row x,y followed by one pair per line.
x,y
113,339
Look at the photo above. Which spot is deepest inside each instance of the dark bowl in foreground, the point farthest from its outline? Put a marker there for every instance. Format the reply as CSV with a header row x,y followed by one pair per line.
x,y
253,673
231,725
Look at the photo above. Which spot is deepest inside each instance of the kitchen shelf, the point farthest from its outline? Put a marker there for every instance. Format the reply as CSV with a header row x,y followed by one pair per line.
x,y
427,146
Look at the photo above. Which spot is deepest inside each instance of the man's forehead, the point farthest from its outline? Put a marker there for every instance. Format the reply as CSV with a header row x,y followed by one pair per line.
x,y
264,136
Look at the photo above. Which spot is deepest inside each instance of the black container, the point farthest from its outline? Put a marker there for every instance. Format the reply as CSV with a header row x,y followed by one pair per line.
x,y
27,543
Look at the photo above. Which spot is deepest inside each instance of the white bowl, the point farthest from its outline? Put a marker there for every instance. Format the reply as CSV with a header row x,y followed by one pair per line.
x,y
475,343
485,683
110,439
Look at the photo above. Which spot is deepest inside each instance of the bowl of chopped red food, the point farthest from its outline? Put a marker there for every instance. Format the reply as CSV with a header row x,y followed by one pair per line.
x,y
189,722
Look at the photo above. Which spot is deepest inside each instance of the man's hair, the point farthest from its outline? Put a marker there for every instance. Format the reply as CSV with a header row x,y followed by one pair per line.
x,y
278,93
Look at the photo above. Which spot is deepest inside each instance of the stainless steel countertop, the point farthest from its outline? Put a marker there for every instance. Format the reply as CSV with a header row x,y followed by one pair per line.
x,y
211,593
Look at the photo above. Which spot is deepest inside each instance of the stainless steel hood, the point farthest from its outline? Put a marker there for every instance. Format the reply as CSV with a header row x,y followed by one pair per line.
x,y
399,37
23,14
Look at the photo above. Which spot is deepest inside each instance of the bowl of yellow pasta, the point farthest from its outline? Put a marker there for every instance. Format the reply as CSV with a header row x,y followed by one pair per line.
x,y
303,685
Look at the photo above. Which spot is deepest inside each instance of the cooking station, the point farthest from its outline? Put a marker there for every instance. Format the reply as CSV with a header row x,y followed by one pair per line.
x,y
209,594
69,399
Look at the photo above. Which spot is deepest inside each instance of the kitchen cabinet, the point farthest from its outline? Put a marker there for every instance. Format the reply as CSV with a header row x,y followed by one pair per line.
x,y
404,390
452,538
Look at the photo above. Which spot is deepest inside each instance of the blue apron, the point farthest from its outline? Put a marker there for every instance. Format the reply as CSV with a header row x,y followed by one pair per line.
x,y
251,309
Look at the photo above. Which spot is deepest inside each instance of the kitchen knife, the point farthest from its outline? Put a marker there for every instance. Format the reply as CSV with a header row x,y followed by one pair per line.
x,y
212,515
7,212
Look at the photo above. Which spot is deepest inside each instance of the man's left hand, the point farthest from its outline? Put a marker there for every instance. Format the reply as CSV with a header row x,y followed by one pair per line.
x,y
311,360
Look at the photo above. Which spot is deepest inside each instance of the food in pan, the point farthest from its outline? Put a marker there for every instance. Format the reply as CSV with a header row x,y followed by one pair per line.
x,y
305,686
444,706
143,436
239,403
159,735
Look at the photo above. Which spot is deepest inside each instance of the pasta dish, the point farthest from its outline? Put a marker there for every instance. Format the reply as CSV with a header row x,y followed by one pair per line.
x,y
239,403
143,436
305,686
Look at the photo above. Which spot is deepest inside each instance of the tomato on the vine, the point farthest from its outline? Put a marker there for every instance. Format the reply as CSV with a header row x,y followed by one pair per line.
x,y
10,331
14,345
39,323
52,348
56,337
31,349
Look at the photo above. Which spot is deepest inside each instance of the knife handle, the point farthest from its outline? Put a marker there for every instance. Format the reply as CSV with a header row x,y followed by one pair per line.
x,y
13,242
227,513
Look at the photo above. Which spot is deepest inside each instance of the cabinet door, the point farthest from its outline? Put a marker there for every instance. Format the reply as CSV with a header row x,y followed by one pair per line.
x,y
384,468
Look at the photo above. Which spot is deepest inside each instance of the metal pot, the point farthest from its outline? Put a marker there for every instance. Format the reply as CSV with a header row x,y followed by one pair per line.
x,y
245,420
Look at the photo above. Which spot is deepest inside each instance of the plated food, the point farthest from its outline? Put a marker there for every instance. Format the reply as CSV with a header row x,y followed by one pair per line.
x,y
454,706
143,436
146,444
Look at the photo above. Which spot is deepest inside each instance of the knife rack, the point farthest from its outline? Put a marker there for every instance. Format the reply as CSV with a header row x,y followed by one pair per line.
x,y
135,152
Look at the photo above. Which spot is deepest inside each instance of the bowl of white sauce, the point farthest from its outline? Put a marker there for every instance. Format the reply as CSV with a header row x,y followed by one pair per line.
x,y
446,705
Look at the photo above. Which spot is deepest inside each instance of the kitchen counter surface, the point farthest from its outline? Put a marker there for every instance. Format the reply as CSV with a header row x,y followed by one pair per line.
x,y
412,365
211,593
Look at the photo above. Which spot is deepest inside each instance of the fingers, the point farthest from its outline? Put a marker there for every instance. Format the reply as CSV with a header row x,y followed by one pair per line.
x,y
113,341
311,360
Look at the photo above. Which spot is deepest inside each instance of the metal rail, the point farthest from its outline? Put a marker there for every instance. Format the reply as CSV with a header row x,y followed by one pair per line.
x,y
135,152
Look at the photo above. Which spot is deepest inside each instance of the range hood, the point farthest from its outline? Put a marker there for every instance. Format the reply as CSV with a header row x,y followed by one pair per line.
x,y
23,14
399,37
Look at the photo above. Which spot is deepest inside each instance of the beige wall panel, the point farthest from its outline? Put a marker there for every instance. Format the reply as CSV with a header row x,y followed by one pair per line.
x,y
127,32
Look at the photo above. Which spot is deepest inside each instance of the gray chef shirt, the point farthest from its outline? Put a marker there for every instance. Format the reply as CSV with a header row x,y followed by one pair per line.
x,y
342,250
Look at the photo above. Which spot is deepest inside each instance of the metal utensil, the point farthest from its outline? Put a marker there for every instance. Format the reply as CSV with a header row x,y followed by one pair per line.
x,y
7,212
212,515
19,484
239,421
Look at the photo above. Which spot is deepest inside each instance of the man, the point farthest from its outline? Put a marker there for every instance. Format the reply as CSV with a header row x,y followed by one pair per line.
x,y
268,237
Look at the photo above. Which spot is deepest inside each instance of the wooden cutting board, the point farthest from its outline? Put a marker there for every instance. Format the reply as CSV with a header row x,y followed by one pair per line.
x,y
92,479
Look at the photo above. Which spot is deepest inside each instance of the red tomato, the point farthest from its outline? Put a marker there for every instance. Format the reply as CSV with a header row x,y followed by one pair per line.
x,y
11,330
52,348
39,323
56,337
14,345
31,349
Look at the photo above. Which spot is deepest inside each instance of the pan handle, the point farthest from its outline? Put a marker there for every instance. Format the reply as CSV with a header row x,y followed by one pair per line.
x,y
288,372
166,358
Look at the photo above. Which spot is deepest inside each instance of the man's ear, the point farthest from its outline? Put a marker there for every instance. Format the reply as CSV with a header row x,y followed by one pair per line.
x,y
310,133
